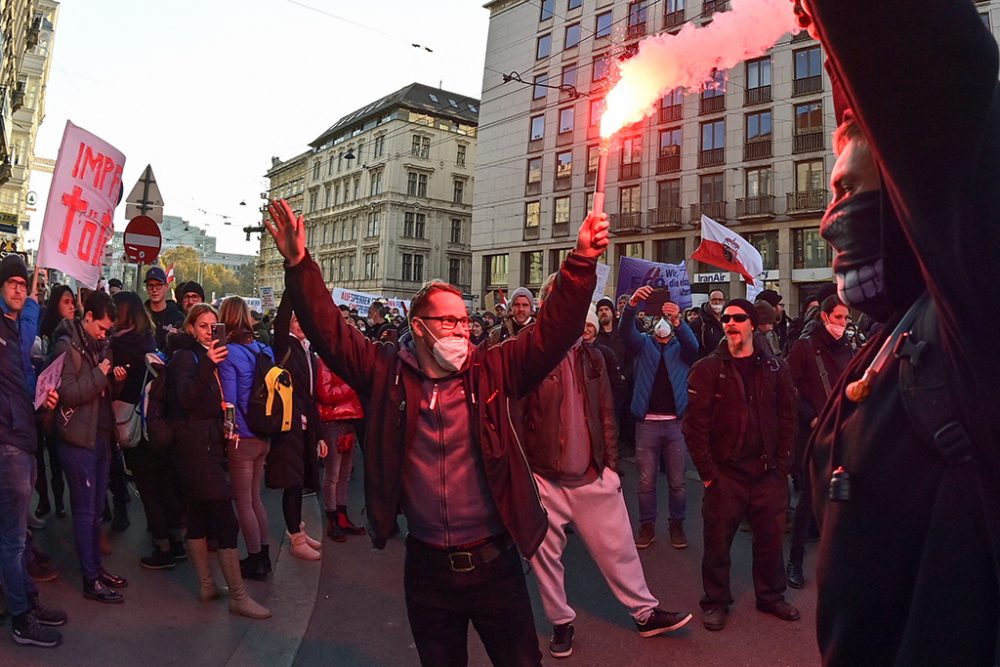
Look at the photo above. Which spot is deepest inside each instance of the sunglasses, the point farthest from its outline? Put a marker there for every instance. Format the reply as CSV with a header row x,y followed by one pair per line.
x,y
738,317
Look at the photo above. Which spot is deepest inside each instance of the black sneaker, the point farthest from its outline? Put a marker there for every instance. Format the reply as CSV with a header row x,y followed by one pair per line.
x,y
561,643
95,590
47,615
662,621
158,560
27,631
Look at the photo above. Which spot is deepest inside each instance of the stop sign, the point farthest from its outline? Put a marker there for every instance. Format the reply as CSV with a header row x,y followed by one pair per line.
x,y
142,240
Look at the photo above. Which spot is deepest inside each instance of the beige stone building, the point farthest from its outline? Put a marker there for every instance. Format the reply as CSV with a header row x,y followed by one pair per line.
x,y
28,29
388,193
754,155
287,181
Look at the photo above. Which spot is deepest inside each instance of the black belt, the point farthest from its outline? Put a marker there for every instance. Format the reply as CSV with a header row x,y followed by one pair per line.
x,y
463,558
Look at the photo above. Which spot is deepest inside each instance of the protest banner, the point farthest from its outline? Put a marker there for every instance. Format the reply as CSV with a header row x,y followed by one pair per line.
x,y
79,216
362,301
603,273
634,273
267,298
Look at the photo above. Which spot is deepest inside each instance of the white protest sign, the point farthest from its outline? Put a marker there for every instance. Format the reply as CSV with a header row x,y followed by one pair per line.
x,y
603,273
79,215
267,298
49,379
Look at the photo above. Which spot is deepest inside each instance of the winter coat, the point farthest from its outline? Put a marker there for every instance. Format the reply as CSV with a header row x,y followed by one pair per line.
x,y
84,389
678,355
194,405
17,414
335,399
718,414
835,355
27,324
129,349
165,322
492,378
707,330
236,372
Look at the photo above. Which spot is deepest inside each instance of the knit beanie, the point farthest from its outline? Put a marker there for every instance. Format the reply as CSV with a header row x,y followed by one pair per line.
x,y
746,307
13,266
522,291
766,314
592,318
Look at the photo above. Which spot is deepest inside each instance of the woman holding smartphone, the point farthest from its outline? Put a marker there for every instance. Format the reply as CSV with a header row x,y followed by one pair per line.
x,y
195,403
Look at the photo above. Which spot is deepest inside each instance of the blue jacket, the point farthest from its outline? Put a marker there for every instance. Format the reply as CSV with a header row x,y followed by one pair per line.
x,y
678,355
17,414
236,374
27,323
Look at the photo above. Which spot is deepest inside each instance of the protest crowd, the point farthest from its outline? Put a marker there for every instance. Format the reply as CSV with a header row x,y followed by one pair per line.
x,y
489,437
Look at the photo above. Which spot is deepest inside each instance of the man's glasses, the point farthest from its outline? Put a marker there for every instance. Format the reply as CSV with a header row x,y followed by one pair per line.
x,y
448,322
157,286
736,317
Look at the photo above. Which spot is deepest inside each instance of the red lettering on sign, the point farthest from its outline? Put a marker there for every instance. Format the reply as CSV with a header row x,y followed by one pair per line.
x,y
86,240
96,166
75,203
107,229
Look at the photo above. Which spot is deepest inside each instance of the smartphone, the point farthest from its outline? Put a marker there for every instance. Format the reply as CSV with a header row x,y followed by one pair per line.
x,y
655,301
219,332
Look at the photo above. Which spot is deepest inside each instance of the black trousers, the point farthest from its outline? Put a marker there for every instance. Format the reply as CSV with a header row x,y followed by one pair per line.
x,y
156,482
802,519
440,604
55,468
215,519
764,502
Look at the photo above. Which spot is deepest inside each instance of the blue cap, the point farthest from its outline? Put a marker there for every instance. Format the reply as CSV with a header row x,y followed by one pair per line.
x,y
155,273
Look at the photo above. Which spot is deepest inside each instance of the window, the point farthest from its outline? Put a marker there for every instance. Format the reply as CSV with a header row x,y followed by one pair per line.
x,y
671,105
631,152
456,230
326,196
985,16
543,49
357,186
379,148
564,165
715,86
329,165
313,200
533,274
808,63
572,35
589,204
668,193
593,158
574,4
808,117
413,267
566,120
713,143
454,271
636,18
629,200
603,25
336,193
416,184
710,188
674,6
569,75
497,269
421,146
458,193
759,182
759,73
809,176
548,10
602,67
460,155
561,211
811,251
758,126
371,265
629,250
413,225
376,186
315,169
534,182
670,143
539,89
537,128
767,244
532,214
670,251
596,111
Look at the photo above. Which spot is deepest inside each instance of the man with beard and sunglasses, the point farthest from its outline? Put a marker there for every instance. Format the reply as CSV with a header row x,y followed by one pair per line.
x,y
905,456
740,426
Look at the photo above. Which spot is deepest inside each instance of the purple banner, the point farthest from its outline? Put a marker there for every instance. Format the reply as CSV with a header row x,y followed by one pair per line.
x,y
634,273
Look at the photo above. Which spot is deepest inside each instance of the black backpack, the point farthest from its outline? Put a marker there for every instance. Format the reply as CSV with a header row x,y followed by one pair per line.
x,y
271,410
156,425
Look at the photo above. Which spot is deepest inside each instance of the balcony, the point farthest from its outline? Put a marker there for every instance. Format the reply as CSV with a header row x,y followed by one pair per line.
x,y
626,223
758,95
712,104
531,189
804,36
666,217
635,30
807,142
757,150
673,19
711,157
590,179
630,170
806,202
709,7
530,232
671,113
563,182
593,130
758,206
536,145
668,164
560,229
807,85
713,209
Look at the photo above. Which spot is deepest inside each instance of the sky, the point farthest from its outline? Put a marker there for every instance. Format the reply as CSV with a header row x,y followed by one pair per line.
x,y
207,91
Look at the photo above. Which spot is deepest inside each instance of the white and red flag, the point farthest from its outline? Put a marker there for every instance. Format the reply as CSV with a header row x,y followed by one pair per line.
x,y
170,273
503,298
728,251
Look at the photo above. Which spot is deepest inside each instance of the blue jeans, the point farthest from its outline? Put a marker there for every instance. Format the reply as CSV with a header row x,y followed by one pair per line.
x,y
17,477
87,473
655,440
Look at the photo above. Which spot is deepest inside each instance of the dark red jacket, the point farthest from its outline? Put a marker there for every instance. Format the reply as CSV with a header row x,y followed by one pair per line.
x,y
494,378
334,397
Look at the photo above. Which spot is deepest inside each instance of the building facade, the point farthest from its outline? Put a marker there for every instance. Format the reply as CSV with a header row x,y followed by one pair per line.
x,y
388,193
287,181
753,153
28,31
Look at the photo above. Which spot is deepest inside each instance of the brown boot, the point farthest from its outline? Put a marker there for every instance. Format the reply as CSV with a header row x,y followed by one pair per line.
x,y
240,601
198,553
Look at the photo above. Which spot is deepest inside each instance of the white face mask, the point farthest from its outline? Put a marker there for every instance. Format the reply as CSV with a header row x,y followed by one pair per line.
x,y
835,330
450,352
716,308
662,329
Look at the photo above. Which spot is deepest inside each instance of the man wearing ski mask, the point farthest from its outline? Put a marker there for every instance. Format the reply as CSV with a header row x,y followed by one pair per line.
x,y
442,446
905,456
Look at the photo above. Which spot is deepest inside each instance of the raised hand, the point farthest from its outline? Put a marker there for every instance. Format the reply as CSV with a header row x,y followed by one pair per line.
x,y
288,231
641,294
592,240
217,352
672,311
